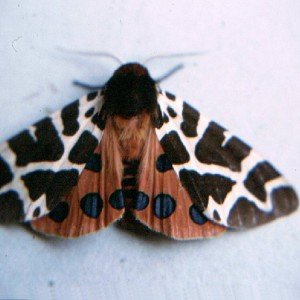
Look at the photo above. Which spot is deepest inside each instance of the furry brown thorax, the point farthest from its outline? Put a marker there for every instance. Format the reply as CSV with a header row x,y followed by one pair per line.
x,y
131,135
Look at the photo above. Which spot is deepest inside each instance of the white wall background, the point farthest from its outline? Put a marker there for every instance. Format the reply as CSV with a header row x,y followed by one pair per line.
x,y
249,82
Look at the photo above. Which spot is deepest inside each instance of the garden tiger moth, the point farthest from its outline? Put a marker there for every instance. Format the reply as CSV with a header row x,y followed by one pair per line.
x,y
132,149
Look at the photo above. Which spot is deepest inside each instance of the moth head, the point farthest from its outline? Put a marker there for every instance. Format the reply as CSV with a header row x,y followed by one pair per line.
x,y
130,91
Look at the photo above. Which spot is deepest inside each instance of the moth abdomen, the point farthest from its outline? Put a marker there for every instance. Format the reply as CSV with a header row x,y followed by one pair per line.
x,y
129,182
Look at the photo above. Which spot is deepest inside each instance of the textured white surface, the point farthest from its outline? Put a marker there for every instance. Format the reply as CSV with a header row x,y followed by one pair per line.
x,y
249,82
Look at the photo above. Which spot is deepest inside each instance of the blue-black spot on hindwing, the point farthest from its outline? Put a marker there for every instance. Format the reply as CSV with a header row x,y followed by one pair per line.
x,y
141,201
257,177
174,148
54,185
171,112
92,205
45,146
163,163
164,206
170,96
69,116
200,187
5,171
92,96
89,112
116,199
94,163
12,208
197,215
83,148
210,148
190,120
59,212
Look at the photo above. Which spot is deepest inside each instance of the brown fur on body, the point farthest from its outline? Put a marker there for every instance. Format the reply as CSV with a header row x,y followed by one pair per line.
x,y
128,138
131,135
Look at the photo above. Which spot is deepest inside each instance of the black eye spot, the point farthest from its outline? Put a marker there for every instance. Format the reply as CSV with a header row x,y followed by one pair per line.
x,y
197,216
116,199
141,201
164,206
60,212
163,163
92,205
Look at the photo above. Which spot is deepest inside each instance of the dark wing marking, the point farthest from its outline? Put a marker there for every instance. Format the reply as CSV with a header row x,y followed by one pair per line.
x,y
226,179
40,165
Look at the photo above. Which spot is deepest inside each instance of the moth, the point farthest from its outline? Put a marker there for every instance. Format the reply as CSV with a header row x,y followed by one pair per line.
x,y
133,151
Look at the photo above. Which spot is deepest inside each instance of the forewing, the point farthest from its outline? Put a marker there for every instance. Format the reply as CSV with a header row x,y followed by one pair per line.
x,y
225,178
40,165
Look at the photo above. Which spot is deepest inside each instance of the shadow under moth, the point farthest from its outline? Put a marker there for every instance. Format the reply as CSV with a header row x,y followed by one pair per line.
x,y
133,151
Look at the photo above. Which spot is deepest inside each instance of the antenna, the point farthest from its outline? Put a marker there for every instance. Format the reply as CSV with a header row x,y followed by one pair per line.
x,y
99,54
172,55
169,73
87,86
